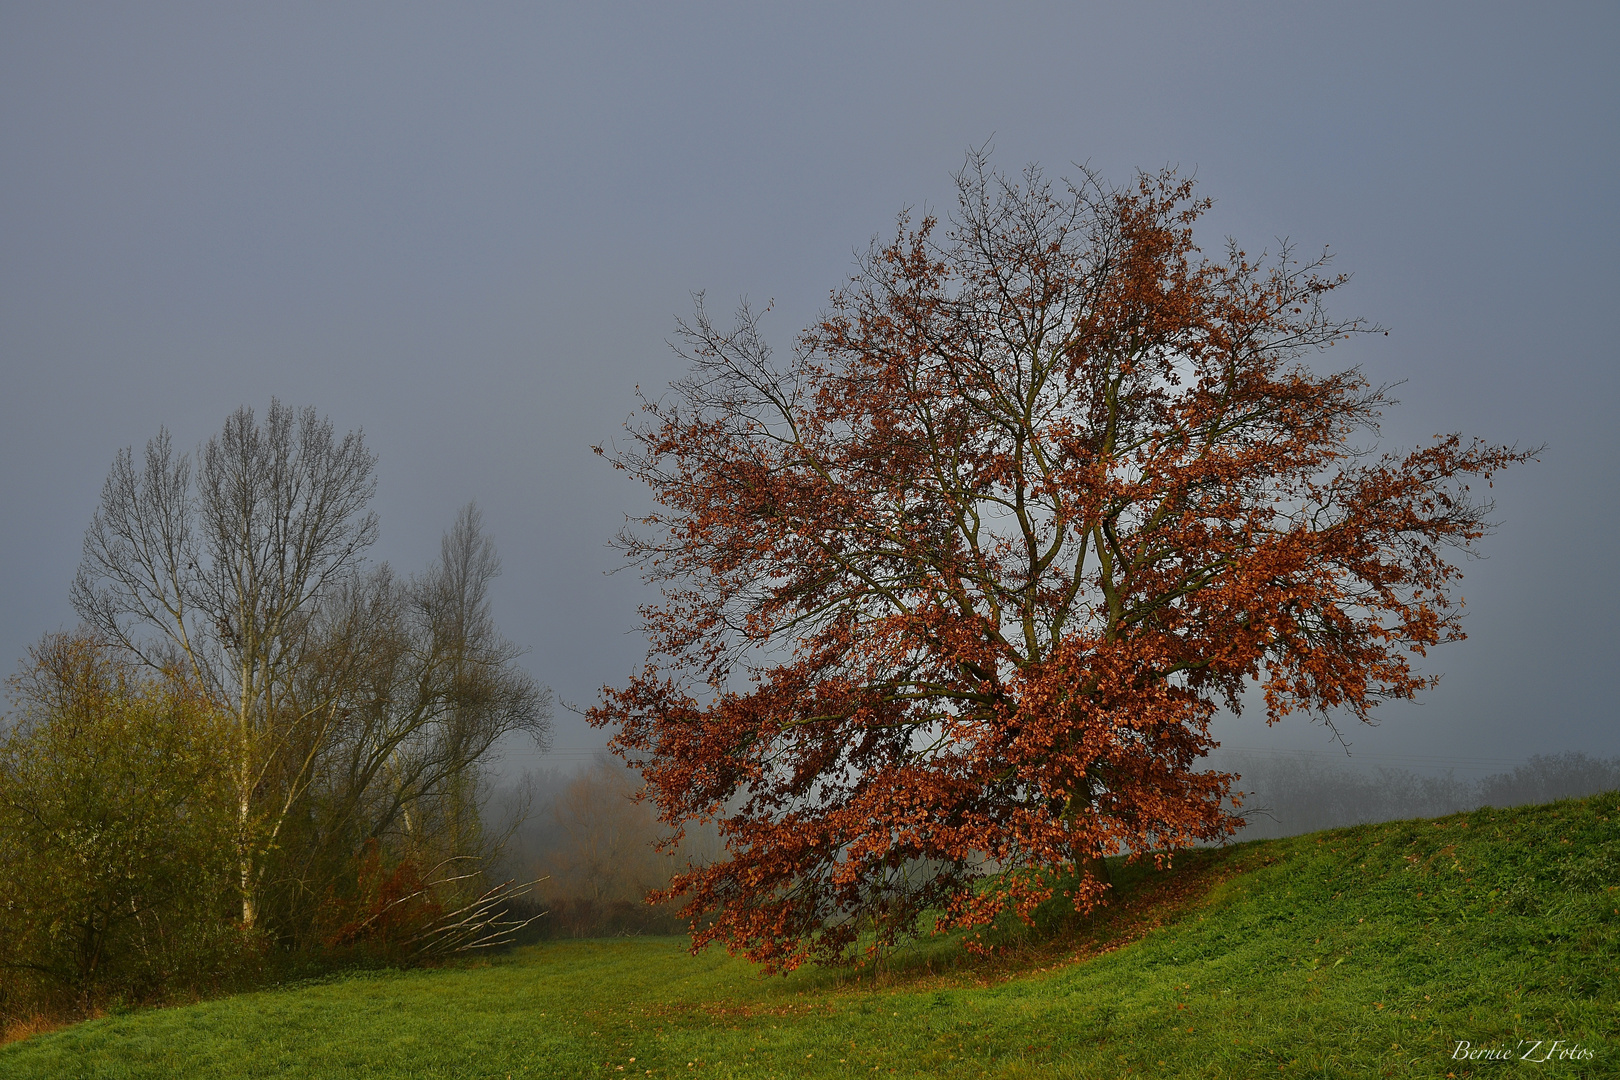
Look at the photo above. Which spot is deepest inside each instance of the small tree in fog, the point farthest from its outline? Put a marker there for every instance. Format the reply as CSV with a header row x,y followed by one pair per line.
x,y
607,851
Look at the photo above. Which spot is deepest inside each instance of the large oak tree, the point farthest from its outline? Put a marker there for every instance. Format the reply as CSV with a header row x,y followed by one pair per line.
x,y
952,593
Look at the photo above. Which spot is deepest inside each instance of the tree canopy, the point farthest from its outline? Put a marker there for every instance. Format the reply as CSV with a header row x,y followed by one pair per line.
x,y
952,593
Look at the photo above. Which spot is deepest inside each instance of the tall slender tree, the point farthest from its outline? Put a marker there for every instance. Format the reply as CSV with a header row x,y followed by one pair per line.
x,y
224,574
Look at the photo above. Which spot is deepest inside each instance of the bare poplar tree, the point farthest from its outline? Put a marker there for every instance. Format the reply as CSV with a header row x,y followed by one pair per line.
x,y
424,687
223,573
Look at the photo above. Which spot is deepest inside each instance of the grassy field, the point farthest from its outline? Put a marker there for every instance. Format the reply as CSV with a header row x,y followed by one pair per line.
x,y
1362,952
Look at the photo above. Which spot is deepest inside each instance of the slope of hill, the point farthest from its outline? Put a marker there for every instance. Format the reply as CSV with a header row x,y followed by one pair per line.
x,y
1385,950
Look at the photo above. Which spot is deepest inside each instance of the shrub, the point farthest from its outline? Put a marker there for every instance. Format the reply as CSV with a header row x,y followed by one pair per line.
x,y
116,835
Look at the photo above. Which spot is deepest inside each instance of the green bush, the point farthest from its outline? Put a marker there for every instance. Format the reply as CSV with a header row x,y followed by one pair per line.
x,y
116,835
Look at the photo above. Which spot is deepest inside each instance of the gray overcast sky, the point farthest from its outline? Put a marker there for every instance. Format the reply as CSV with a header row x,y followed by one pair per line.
x,y
467,229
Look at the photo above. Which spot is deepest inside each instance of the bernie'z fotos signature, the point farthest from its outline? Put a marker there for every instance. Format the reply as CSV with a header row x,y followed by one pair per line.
x,y
1535,1051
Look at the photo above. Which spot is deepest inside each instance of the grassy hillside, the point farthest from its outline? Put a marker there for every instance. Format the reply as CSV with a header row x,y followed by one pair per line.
x,y
1361,952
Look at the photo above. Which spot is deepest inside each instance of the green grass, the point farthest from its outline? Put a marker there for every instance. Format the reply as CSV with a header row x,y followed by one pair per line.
x,y
1359,952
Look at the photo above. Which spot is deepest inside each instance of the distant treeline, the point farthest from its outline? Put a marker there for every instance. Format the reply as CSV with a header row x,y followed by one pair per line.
x,y
591,844
1291,794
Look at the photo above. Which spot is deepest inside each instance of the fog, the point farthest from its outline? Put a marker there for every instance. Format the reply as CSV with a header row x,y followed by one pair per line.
x,y
1286,794
468,232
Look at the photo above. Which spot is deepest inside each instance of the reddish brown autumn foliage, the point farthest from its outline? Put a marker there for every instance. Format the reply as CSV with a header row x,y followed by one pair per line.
x,y
389,906
952,594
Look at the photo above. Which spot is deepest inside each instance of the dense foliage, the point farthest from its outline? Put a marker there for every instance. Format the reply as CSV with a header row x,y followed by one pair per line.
x,y
955,590
116,833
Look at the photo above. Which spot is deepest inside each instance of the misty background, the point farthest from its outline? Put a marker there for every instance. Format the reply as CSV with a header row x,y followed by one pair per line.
x,y
468,230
